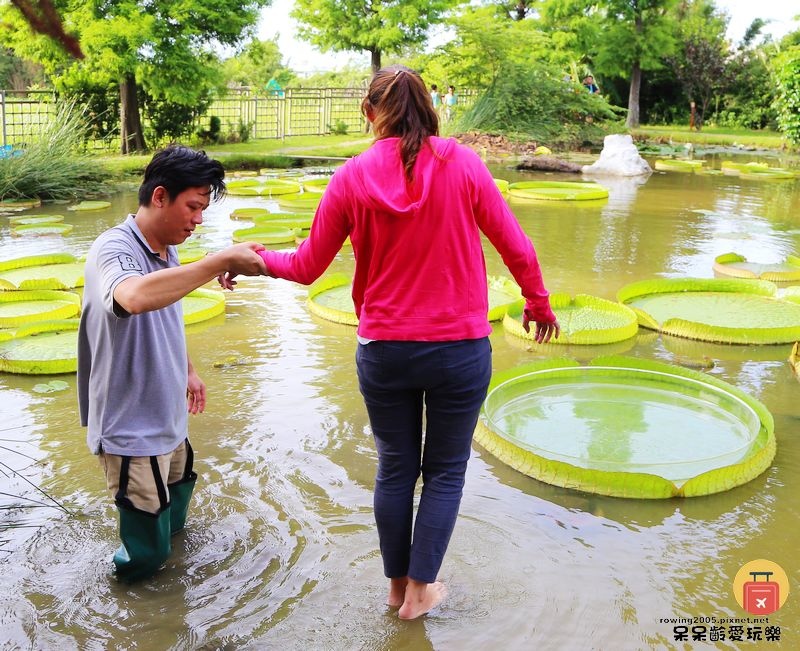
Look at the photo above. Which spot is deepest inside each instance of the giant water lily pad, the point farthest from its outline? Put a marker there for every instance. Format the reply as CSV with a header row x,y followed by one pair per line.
x,y
678,165
502,185
734,264
21,307
557,190
731,311
317,185
42,348
265,233
19,204
49,271
306,201
50,228
583,319
330,297
90,205
626,427
286,219
21,220
266,187
249,213
201,305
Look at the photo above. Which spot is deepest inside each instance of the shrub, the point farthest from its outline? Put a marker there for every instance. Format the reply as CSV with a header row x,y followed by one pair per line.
x,y
788,76
55,166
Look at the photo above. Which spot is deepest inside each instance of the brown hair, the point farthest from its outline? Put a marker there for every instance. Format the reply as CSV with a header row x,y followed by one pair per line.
x,y
401,106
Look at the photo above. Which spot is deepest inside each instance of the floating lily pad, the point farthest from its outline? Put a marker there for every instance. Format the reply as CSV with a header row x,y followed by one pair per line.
x,y
307,201
51,387
584,320
626,427
20,220
286,219
330,297
678,165
54,271
191,252
264,233
502,185
733,264
316,185
768,174
245,173
730,311
19,204
20,307
54,228
91,205
557,190
44,348
249,213
201,305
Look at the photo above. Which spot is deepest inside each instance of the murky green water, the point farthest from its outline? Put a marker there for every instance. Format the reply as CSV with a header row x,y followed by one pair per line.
x,y
281,550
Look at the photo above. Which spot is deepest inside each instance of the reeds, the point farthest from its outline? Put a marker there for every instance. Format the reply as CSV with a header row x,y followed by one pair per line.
x,y
54,166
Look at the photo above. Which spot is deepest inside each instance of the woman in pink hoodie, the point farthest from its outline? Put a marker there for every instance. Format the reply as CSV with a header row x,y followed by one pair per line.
x,y
414,206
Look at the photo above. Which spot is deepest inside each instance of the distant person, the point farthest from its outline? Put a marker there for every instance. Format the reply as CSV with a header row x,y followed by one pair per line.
x,y
420,294
436,99
588,83
450,100
274,88
136,383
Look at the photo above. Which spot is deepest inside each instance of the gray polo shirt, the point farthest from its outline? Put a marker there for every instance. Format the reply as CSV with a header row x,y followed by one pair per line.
x,y
132,369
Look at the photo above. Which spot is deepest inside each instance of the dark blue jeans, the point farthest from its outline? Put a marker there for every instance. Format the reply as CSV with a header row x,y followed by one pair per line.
x,y
397,379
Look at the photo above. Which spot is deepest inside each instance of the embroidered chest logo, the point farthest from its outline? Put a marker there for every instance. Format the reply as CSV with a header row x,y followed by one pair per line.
x,y
129,263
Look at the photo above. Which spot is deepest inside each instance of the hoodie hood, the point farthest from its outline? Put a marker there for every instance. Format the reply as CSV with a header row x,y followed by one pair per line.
x,y
380,177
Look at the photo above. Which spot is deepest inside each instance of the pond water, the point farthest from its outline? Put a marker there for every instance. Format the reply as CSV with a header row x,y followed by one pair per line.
x,y
281,548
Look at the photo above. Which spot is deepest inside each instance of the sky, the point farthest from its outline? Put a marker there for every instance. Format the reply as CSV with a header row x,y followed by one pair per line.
x,y
302,57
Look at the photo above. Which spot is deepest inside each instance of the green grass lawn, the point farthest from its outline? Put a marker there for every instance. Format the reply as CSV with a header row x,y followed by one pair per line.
x,y
712,136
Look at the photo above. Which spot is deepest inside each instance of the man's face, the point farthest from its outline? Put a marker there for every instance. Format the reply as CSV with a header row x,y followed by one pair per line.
x,y
183,214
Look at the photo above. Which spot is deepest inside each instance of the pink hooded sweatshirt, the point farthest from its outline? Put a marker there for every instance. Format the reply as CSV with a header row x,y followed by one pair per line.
x,y
420,274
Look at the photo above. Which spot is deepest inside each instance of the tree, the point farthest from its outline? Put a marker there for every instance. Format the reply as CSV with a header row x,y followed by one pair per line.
x,y
787,67
258,62
618,38
702,56
375,26
161,50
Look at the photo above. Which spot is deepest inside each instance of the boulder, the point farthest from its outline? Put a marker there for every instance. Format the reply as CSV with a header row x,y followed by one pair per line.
x,y
618,158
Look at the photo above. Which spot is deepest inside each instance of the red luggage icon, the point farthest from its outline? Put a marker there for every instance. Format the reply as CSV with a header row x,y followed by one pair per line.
x,y
761,597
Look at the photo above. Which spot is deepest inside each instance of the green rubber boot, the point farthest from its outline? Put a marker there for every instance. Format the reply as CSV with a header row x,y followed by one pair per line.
x,y
145,543
180,493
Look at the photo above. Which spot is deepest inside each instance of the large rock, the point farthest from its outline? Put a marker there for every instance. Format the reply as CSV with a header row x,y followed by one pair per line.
x,y
618,158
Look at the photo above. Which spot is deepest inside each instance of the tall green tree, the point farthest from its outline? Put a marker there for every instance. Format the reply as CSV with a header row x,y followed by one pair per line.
x,y
164,49
617,38
375,26
701,61
256,64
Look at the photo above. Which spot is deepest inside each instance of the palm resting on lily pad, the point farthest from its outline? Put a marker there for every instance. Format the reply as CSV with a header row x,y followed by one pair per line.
x,y
584,319
626,427
736,265
48,271
729,311
330,298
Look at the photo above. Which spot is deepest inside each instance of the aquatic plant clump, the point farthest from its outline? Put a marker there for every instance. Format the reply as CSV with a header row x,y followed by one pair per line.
x,y
729,311
626,427
53,166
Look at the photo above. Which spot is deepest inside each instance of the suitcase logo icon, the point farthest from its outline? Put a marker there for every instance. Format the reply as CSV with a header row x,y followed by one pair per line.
x,y
761,597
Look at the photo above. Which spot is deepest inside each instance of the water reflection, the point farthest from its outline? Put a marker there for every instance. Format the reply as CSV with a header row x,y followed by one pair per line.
x,y
281,549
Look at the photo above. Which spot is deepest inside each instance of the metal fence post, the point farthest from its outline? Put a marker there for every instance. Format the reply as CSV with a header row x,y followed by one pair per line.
x,y
3,109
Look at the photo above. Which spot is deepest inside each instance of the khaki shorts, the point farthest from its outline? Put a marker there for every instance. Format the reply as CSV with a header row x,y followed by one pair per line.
x,y
145,490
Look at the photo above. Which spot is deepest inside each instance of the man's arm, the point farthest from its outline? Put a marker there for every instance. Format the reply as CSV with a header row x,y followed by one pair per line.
x,y
158,289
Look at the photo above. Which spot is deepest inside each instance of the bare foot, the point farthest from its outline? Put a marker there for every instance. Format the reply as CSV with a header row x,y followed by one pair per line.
x,y
397,592
420,598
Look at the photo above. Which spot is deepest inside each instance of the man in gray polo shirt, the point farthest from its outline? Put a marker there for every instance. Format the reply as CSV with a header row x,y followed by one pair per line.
x,y
134,375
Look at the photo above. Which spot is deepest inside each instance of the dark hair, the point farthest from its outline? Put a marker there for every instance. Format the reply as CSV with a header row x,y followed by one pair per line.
x,y
434,87
401,106
177,168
